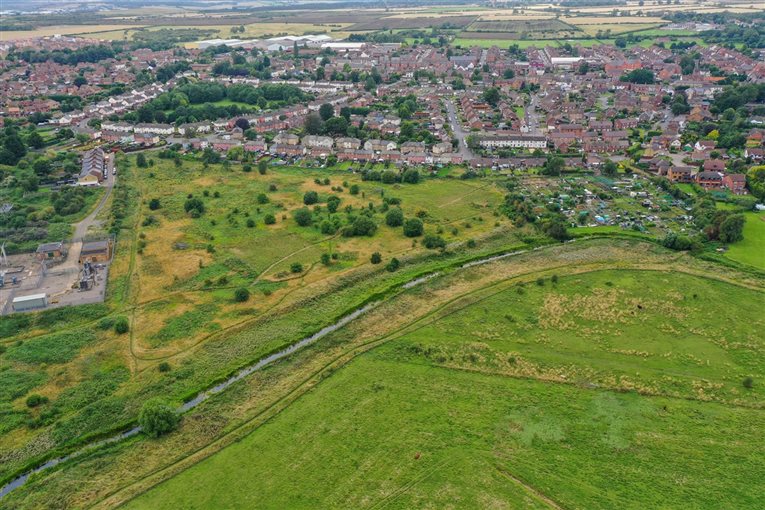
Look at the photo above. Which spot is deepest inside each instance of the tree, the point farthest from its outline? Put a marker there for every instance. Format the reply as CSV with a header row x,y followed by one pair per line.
x,y
326,111
303,217
35,141
394,217
413,227
313,124
310,197
242,123
154,204
732,228
609,167
642,76
555,227
412,176
508,74
262,166
241,295
140,160
491,96
393,264
158,418
269,219
362,226
376,258
336,126
296,267
554,166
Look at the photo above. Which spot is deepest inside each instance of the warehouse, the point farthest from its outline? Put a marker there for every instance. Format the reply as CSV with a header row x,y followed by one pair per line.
x,y
31,302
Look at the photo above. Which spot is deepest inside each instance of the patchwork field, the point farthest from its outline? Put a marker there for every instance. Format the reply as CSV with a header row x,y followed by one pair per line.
x,y
548,397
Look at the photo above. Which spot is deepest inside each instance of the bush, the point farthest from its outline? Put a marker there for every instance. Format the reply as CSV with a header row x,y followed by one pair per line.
x,y
303,217
310,197
413,227
432,242
241,295
394,217
158,418
296,267
262,198
270,219
250,223
393,264
748,383
121,325
35,400
154,204
194,206
164,367
354,189
325,259
541,282
376,258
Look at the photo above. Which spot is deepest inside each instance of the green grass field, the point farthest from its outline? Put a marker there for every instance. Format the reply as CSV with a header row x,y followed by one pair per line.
x,y
552,395
752,249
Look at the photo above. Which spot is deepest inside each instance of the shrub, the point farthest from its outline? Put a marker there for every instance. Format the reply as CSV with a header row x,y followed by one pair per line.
x,y
411,176
154,204
296,267
250,223
158,418
354,190
325,259
394,217
270,219
393,264
413,227
376,258
35,400
471,243
194,206
241,295
748,383
303,217
433,242
262,198
164,366
121,325
541,282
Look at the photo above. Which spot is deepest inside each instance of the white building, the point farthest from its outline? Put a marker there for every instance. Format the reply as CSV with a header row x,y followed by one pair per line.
x,y
512,141
30,302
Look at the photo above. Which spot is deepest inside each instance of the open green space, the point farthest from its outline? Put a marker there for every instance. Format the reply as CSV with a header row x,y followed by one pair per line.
x,y
752,249
552,395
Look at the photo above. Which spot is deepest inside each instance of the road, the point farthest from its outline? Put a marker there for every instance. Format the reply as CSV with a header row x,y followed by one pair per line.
x,y
81,228
459,133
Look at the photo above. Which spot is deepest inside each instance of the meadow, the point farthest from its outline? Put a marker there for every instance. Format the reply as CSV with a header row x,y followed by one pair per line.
x,y
752,249
549,397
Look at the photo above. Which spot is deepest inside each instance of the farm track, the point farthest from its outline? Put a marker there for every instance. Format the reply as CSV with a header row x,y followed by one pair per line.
x,y
352,352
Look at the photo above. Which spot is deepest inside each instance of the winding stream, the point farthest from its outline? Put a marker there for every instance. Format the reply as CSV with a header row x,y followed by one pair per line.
x,y
241,374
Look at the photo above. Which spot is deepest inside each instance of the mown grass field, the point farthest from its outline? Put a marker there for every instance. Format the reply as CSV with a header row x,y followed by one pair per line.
x,y
552,395
752,249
